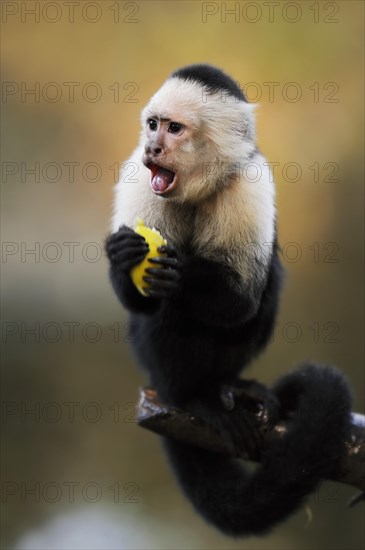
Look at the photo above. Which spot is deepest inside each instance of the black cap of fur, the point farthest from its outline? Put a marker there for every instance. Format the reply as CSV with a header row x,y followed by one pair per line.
x,y
213,79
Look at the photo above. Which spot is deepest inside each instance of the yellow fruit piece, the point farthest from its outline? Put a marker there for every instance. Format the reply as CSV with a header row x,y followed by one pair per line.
x,y
154,239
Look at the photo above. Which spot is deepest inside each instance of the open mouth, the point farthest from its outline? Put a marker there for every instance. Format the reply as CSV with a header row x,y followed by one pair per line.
x,y
162,180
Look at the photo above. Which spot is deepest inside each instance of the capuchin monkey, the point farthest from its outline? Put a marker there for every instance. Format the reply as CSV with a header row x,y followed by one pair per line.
x,y
212,297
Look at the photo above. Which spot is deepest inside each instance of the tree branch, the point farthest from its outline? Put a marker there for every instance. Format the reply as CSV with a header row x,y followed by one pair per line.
x,y
184,427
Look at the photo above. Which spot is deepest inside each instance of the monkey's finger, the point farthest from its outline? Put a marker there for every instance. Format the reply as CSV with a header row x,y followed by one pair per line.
x,y
157,284
132,250
256,435
244,430
126,266
158,273
169,250
128,252
122,231
112,238
127,263
126,243
166,262
269,414
121,240
126,229
246,436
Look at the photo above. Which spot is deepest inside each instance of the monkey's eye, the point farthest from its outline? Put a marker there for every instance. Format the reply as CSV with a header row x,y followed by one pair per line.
x,y
174,127
152,124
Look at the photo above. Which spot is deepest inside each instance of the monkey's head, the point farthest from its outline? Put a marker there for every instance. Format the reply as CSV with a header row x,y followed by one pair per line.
x,y
197,131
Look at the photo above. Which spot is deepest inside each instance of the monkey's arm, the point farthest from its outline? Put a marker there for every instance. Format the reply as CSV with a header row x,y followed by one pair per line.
x,y
214,294
202,290
206,291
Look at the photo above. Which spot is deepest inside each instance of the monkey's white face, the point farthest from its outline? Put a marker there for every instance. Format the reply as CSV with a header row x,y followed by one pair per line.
x,y
191,139
167,141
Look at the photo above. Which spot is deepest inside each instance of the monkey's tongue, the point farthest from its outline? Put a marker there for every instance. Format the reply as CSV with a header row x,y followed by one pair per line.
x,y
161,178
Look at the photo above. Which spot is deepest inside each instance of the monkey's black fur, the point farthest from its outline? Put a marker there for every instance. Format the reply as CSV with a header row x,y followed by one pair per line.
x,y
243,504
200,335
201,323
213,79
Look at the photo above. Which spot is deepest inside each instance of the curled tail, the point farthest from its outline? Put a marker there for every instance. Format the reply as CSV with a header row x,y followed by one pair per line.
x,y
241,503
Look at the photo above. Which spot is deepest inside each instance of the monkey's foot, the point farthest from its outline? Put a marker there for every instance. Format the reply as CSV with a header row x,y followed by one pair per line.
x,y
239,427
255,398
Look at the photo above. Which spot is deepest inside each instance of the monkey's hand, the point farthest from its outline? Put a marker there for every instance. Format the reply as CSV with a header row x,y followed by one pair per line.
x,y
164,279
125,249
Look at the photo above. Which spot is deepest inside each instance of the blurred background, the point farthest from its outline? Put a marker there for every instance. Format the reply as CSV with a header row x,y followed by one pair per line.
x,y
77,472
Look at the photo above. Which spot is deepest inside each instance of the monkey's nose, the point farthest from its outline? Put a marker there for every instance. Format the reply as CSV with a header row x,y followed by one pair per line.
x,y
154,150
